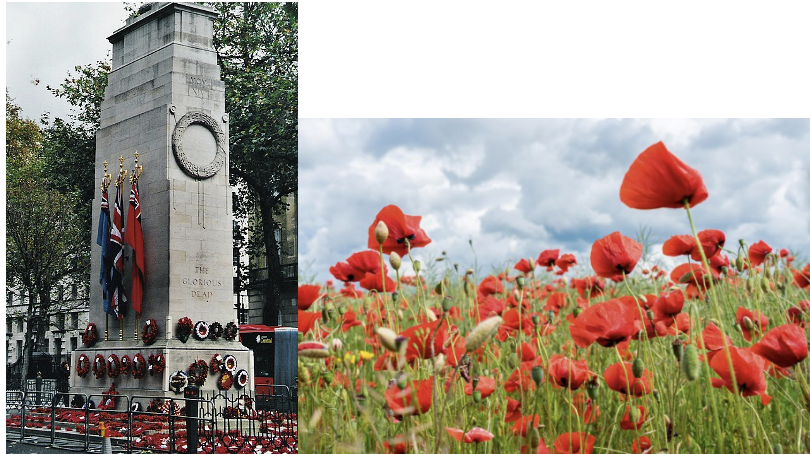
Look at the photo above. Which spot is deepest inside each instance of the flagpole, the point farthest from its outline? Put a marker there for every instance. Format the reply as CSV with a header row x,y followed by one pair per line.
x,y
120,183
106,327
136,173
105,183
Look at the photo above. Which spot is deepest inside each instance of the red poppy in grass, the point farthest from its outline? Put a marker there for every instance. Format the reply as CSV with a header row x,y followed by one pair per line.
x,y
490,285
712,340
475,435
374,281
398,447
658,179
642,445
415,398
712,242
350,320
802,278
306,320
678,245
349,291
566,261
784,345
591,411
694,276
682,324
555,302
489,305
666,307
591,286
521,378
615,255
548,257
799,313
627,424
402,230
749,372
512,323
419,336
568,373
757,252
524,266
307,295
346,273
512,410
485,384
717,263
574,443
607,324
616,378
756,323
521,426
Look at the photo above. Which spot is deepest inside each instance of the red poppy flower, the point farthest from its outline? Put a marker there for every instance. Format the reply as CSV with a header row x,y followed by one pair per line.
x,y
802,278
346,273
616,378
592,411
591,286
374,281
784,345
574,443
548,257
712,242
306,320
512,323
799,313
349,291
524,266
760,322
475,435
402,230
521,426
350,320
694,276
512,410
757,252
749,372
679,245
642,445
566,261
490,285
403,401
555,302
568,373
712,340
717,263
658,179
485,384
608,324
667,307
419,336
615,255
627,424
307,295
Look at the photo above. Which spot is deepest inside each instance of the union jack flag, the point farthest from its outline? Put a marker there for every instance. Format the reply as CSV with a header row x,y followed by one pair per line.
x,y
115,291
134,238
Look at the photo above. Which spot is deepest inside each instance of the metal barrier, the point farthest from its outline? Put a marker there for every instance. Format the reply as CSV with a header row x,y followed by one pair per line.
x,y
231,420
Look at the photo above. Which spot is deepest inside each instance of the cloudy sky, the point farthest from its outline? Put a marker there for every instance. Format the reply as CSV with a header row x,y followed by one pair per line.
x,y
46,40
517,187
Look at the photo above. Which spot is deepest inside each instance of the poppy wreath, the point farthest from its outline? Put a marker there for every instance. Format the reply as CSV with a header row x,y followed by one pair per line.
x,y
157,364
113,366
216,331
126,365
201,330
138,366
177,381
217,363
225,381
242,378
90,335
83,365
230,363
184,328
99,366
231,330
198,372
150,331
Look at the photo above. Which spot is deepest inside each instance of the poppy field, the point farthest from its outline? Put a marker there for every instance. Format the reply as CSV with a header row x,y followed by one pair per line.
x,y
560,354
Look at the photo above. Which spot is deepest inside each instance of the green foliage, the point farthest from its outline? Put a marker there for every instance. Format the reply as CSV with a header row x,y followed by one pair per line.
x,y
84,90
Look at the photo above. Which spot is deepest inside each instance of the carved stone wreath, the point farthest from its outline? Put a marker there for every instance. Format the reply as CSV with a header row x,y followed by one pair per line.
x,y
196,170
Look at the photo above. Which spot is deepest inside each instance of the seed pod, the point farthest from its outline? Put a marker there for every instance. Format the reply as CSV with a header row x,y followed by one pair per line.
x,y
765,284
520,281
417,266
395,296
739,263
748,323
650,314
635,414
577,311
534,439
536,319
767,272
395,260
677,349
381,232
749,284
402,380
638,367
438,289
777,448
481,333
537,375
447,303
475,380
690,364
686,277
477,396
592,388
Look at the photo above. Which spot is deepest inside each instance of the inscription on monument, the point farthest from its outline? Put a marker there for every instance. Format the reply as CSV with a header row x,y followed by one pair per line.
x,y
199,86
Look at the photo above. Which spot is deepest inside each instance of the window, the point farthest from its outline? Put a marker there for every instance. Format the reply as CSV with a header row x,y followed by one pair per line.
x,y
19,348
61,293
277,234
74,343
19,325
10,298
74,320
47,346
60,320
74,294
8,326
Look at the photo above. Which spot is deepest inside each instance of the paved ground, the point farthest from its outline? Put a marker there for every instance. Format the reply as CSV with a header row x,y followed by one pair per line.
x,y
13,447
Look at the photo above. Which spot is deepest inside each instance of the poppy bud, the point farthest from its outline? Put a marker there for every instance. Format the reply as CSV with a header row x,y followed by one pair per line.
x,y
313,349
455,265
635,414
447,303
777,448
482,332
388,338
325,315
417,266
677,349
395,260
577,311
438,362
438,289
534,439
550,316
765,284
470,271
749,284
739,263
686,277
328,378
475,381
767,272
650,315
476,396
342,310
430,316
638,367
724,270
337,344
439,259
520,281
381,232
402,381
537,375
536,319
748,323
592,388
690,364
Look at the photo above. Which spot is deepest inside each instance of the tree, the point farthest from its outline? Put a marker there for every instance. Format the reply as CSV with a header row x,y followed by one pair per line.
x,y
257,49
41,228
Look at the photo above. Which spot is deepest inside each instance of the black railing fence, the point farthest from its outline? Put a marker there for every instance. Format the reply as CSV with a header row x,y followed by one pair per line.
x,y
241,423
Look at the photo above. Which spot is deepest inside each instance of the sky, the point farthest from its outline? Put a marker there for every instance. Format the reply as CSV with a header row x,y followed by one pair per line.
x,y
47,40
517,187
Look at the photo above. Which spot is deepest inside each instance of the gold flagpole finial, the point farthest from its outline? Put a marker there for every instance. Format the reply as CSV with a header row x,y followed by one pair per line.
x,y
106,179
137,171
121,172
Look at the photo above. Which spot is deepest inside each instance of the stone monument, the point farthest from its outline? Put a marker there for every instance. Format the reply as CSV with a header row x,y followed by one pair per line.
x,y
165,101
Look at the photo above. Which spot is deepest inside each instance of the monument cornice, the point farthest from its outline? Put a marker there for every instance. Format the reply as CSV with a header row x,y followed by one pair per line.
x,y
162,10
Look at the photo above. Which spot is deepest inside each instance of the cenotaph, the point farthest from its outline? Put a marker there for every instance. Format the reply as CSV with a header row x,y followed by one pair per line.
x,y
165,101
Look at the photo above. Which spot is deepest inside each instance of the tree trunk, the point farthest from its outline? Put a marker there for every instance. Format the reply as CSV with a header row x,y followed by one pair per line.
x,y
27,352
272,287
